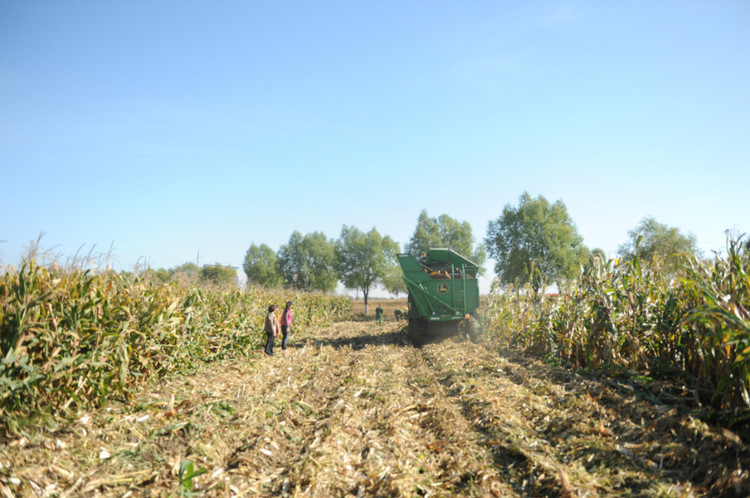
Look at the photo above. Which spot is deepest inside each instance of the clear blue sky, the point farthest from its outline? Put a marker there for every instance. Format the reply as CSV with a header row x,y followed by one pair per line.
x,y
171,127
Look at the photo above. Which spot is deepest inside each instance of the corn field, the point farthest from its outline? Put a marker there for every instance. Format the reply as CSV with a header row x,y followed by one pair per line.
x,y
633,317
72,339
353,409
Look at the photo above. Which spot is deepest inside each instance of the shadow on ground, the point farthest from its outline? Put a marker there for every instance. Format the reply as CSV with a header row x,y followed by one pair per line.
x,y
397,338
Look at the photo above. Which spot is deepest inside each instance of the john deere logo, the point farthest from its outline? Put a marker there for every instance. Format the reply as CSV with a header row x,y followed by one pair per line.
x,y
443,288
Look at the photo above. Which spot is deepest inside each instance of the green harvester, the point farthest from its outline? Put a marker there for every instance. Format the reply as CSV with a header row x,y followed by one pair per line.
x,y
443,295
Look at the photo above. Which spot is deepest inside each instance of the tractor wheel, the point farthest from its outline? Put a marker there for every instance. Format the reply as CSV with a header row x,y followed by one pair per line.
x,y
417,332
472,331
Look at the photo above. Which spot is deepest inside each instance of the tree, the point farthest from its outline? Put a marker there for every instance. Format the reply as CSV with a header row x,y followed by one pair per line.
x,y
308,263
161,274
393,281
219,274
363,259
598,253
188,268
444,232
535,243
186,271
651,239
260,266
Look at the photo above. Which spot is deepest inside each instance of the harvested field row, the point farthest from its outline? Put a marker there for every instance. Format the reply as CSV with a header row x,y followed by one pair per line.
x,y
355,410
554,433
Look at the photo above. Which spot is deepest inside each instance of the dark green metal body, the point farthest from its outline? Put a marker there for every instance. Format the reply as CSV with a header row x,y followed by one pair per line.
x,y
443,291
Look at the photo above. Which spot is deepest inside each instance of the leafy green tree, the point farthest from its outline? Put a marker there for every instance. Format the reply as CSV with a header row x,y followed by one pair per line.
x,y
187,273
162,275
363,259
598,253
219,274
444,232
535,243
190,269
260,266
651,239
308,263
393,281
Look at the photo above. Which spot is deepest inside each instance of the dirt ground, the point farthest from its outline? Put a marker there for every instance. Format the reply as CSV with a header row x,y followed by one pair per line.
x,y
354,410
389,306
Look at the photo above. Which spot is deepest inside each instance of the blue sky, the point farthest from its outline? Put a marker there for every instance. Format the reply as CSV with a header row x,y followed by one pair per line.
x,y
168,128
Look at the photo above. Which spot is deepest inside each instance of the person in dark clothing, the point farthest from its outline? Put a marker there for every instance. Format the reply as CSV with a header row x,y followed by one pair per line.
x,y
286,323
271,328
379,314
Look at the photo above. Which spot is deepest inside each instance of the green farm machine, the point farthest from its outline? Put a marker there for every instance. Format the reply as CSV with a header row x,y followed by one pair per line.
x,y
443,295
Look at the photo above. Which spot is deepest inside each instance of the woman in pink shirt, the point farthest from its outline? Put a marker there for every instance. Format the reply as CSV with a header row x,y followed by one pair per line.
x,y
286,323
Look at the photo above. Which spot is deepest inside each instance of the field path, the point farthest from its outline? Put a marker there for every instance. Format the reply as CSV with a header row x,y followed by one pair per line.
x,y
354,410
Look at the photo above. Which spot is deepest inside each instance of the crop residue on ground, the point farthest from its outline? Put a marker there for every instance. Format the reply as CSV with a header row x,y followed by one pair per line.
x,y
353,409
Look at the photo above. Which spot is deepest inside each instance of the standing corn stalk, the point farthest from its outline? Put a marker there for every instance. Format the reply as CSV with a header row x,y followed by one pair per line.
x,y
71,339
635,317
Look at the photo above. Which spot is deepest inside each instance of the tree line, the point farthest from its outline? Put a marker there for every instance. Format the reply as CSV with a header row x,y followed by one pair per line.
x,y
216,274
359,260
535,242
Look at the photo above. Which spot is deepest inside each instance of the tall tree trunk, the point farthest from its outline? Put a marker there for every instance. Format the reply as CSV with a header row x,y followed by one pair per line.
x,y
365,292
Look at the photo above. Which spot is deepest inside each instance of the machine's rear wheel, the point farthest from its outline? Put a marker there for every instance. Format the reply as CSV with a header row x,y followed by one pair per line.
x,y
417,332
422,332
470,327
442,330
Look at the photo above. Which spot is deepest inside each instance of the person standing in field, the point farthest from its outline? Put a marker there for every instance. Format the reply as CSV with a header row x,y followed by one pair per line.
x,y
286,323
272,329
379,314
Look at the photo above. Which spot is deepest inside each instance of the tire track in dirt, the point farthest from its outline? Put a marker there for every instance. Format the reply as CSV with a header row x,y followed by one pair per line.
x,y
555,433
486,403
378,424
